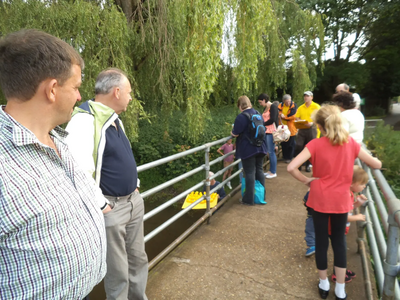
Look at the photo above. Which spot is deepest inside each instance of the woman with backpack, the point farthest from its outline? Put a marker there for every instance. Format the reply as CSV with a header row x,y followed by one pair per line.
x,y
249,130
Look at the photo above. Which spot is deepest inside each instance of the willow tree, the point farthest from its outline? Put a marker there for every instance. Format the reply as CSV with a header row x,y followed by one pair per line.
x,y
176,50
100,34
171,49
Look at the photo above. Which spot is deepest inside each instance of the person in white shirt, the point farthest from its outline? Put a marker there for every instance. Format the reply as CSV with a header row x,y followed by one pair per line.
x,y
344,87
353,119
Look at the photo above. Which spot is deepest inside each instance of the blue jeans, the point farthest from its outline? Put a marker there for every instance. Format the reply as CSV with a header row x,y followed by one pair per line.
x,y
269,140
310,231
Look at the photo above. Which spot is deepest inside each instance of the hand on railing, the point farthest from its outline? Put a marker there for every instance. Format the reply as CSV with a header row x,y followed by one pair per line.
x,y
359,217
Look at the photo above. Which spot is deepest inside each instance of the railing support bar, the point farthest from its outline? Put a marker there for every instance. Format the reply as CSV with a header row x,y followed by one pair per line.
x,y
207,164
375,253
184,235
390,265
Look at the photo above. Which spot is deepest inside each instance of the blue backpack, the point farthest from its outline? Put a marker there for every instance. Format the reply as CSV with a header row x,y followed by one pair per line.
x,y
256,128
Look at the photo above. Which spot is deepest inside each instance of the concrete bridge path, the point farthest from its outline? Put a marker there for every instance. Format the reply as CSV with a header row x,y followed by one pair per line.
x,y
251,252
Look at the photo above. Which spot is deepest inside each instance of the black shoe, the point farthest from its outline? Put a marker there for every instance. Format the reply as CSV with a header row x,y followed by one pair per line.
x,y
308,169
245,203
324,294
337,298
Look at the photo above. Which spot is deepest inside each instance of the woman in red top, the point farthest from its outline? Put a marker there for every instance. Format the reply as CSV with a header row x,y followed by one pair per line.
x,y
332,157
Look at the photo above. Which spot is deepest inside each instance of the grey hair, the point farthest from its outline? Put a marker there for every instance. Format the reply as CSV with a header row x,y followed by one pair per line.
x,y
210,174
286,97
345,87
108,79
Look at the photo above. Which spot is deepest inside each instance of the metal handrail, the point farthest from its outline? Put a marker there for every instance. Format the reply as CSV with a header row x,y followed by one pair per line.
x,y
385,252
206,182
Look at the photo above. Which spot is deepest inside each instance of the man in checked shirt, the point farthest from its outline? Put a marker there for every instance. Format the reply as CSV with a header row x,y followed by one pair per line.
x,y
52,236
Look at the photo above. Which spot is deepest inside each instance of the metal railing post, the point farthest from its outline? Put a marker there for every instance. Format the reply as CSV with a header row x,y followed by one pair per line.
x,y
207,167
390,265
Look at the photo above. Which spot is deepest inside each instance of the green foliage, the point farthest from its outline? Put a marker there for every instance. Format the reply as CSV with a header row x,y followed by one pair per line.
x,y
281,36
176,48
345,22
354,74
155,142
382,56
385,143
172,50
101,35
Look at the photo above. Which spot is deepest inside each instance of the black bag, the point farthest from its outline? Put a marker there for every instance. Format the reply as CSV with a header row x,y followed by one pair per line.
x,y
256,128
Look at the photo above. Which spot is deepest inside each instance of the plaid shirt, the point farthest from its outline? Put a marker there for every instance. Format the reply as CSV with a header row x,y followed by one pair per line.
x,y
52,234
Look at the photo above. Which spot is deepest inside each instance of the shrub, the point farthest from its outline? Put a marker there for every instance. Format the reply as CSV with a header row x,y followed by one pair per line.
x,y
385,143
156,141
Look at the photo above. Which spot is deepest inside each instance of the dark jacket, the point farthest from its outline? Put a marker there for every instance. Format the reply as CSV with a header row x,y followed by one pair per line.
x,y
273,116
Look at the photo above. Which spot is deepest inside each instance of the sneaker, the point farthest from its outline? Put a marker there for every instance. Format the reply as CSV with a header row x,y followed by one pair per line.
x,y
347,279
310,251
350,274
229,185
288,161
269,175
308,169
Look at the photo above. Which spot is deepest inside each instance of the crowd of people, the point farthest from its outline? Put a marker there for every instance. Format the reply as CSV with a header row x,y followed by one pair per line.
x,y
71,210
325,140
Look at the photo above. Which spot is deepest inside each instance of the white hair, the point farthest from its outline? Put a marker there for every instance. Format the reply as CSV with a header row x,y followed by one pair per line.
x,y
107,80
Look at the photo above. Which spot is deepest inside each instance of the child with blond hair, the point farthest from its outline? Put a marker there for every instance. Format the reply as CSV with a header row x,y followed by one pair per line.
x,y
332,157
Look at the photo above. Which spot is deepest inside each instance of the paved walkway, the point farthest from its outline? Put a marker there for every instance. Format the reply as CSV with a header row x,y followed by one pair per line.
x,y
251,253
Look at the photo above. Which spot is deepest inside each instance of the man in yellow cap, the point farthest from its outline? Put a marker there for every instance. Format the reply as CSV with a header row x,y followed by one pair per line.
x,y
309,133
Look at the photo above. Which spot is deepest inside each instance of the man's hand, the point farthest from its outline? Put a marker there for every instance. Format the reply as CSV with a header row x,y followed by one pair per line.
x,y
107,209
283,116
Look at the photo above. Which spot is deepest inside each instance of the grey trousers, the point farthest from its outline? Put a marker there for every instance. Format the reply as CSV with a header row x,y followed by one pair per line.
x,y
127,265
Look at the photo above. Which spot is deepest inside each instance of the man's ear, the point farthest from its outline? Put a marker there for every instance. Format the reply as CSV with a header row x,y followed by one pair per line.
x,y
50,88
116,92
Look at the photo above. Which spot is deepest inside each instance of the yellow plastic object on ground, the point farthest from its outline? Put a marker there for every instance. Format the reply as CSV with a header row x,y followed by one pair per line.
x,y
193,196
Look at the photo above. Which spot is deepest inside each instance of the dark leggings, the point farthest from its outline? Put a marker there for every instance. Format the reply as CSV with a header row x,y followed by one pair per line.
x,y
253,170
338,239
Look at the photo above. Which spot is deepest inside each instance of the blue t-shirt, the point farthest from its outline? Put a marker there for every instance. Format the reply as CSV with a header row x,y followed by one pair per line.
x,y
243,147
119,170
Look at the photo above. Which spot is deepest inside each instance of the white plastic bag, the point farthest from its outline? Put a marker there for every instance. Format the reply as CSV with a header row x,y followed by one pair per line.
x,y
281,134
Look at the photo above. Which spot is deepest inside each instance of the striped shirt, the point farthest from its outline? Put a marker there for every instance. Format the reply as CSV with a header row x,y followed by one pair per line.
x,y
52,234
